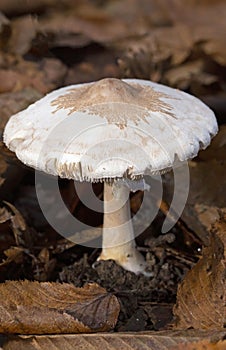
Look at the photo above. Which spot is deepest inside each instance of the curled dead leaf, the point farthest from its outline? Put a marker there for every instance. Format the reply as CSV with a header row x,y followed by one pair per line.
x,y
201,345
102,23
112,341
12,254
193,71
17,222
4,215
156,52
201,295
185,54
44,308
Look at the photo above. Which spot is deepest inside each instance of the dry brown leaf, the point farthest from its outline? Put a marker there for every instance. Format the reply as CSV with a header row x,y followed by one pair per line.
x,y
201,295
87,21
4,215
186,53
182,75
201,345
104,22
17,219
151,55
18,224
4,30
44,266
197,17
43,76
162,340
11,103
12,254
101,29
44,308
23,31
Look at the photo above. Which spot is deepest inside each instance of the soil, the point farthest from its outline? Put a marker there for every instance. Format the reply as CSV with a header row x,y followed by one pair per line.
x,y
43,255
146,302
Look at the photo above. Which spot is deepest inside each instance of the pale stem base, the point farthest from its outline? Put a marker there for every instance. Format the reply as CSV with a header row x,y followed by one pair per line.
x,y
118,235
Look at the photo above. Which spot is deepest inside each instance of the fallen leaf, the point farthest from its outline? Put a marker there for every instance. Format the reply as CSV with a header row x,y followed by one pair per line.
x,y
182,75
19,234
102,23
4,215
101,29
17,219
17,222
11,103
201,295
12,254
23,32
11,81
4,30
112,341
210,38
43,76
157,51
44,308
43,265
201,345
185,54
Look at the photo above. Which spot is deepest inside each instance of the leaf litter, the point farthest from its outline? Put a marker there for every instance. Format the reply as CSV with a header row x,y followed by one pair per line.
x,y
58,308
201,296
168,43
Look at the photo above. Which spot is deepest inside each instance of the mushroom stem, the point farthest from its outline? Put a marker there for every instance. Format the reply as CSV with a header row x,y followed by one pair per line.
x,y
118,235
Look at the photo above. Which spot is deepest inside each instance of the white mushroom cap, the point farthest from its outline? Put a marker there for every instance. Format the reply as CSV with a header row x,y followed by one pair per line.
x,y
110,129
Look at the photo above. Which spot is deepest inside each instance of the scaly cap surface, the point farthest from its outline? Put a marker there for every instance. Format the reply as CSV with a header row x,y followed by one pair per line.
x,y
110,129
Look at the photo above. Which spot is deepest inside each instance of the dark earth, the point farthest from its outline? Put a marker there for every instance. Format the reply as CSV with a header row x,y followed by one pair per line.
x,y
146,302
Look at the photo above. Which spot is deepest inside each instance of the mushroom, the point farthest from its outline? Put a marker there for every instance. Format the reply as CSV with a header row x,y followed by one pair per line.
x,y
115,131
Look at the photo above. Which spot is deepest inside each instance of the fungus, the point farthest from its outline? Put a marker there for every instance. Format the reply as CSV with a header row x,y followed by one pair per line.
x,y
115,131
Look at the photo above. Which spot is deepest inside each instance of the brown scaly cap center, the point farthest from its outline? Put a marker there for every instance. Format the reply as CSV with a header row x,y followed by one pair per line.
x,y
114,100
